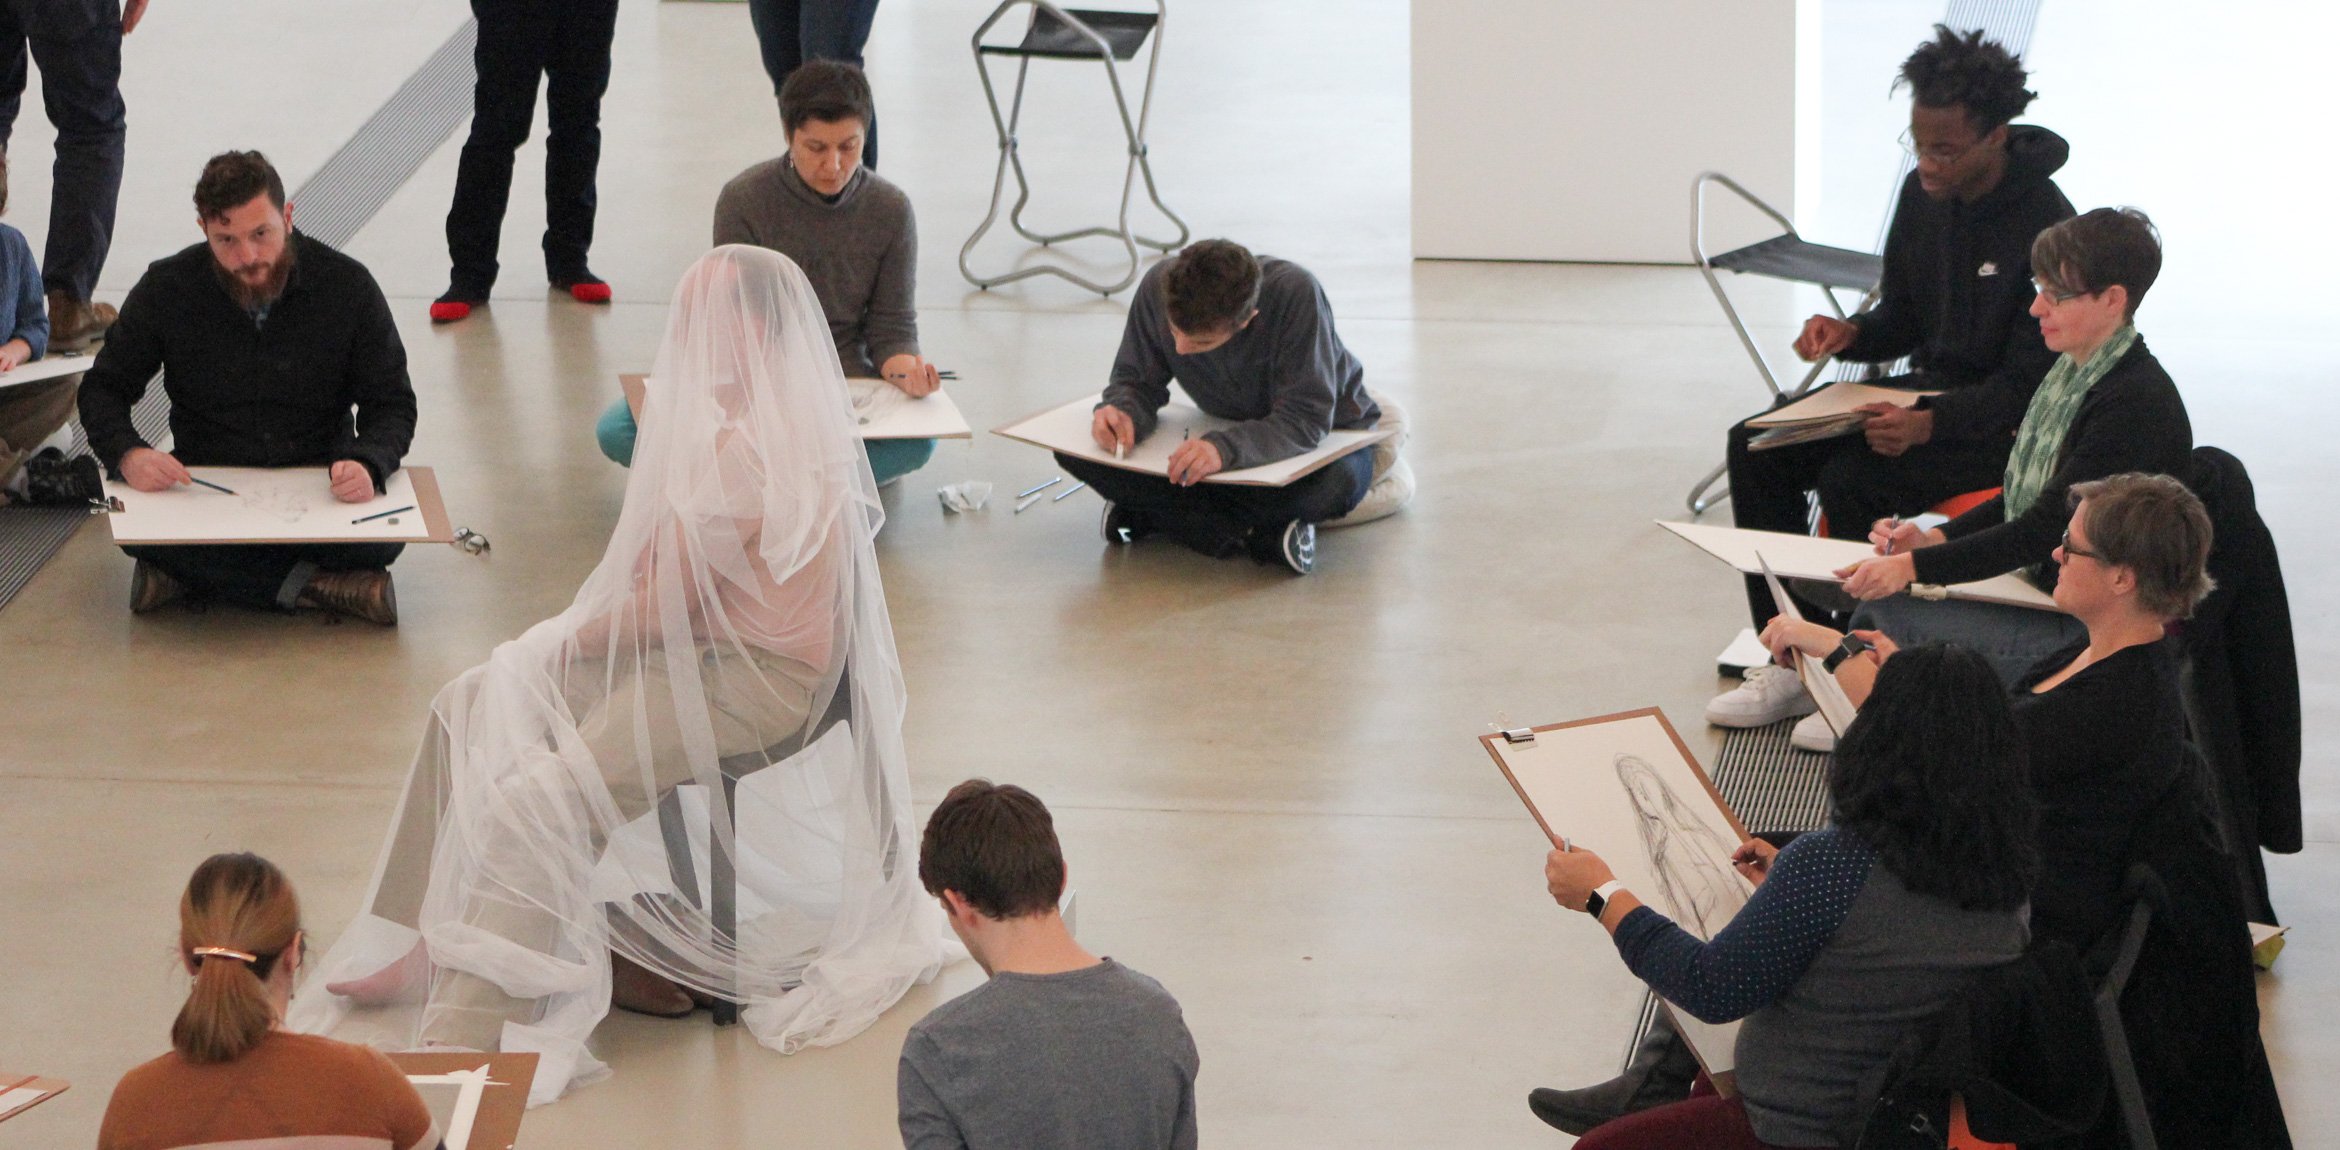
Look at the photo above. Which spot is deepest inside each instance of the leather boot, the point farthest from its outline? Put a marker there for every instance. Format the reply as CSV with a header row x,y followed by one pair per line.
x,y
635,988
151,588
1661,1072
73,323
367,595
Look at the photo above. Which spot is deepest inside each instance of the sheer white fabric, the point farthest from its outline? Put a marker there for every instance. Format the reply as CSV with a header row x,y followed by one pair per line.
x,y
735,626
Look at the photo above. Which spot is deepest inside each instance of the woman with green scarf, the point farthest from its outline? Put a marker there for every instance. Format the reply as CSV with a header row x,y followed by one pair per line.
x,y
2105,408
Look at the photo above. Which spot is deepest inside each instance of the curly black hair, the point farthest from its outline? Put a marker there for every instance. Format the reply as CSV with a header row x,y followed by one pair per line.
x,y
1956,69
1933,777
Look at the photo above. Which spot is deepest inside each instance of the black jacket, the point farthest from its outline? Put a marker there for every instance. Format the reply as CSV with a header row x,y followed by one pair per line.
x,y
2132,420
1956,296
2242,674
246,394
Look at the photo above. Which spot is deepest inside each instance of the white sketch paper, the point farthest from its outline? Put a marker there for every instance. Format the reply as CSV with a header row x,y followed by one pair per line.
x,y
47,367
1066,429
267,504
454,1100
1622,787
884,411
1816,558
1836,707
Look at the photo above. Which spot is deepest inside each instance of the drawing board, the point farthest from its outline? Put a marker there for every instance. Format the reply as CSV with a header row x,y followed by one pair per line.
x,y
882,410
22,1092
1065,429
47,367
1837,401
1836,708
279,505
1626,787
1816,558
477,1100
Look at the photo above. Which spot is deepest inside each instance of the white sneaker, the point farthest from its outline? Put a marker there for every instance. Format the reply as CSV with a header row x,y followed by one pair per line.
x,y
1767,695
1813,734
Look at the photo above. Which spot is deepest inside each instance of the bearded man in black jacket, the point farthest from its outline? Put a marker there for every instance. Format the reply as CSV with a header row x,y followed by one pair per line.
x,y
1954,298
276,351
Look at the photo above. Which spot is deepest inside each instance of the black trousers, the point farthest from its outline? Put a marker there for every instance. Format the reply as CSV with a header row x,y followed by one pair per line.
x,y
1770,489
565,44
1223,519
791,32
260,574
81,74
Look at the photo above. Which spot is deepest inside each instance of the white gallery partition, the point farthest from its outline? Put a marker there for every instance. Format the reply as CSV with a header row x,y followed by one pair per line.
x,y
1571,129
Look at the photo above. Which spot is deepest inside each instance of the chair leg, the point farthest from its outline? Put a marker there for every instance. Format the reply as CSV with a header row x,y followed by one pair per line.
x,y
675,832
723,894
2135,1121
1705,494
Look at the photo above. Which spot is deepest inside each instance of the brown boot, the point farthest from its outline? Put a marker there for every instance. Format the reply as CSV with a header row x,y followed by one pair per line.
x,y
73,323
151,587
366,594
634,988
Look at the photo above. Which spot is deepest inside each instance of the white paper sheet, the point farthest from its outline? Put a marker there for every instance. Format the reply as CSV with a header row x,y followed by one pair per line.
x,y
49,367
888,412
1746,650
1066,429
1624,789
1836,707
1812,557
288,504
1835,401
20,1097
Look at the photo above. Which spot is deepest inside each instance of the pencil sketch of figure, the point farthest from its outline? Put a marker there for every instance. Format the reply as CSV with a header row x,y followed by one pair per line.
x,y
1691,862
280,502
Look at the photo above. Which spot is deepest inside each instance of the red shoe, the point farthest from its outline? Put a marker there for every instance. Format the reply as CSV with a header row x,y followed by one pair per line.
x,y
589,291
449,310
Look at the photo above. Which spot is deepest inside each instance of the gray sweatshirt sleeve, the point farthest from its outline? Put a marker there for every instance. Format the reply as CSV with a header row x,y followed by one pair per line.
x,y
891,327
731,217
1141,370
1302,364
925,1124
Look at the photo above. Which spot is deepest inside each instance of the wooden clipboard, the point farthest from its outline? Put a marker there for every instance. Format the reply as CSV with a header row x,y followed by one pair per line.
x,y
49,1088
1064,428
496,1124
428,504
1726,1080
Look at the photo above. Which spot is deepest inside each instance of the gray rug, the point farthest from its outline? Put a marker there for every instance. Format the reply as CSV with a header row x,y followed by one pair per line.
x,y
336,202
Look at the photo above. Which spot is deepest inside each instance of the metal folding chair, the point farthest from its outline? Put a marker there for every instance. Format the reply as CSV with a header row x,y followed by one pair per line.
x,y
1072,34
1786,256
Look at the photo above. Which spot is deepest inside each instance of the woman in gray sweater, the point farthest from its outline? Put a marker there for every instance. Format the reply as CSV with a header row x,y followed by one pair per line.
x,y
1855,933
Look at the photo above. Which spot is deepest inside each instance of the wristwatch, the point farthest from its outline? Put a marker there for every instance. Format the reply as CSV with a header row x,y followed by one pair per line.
x,y
1851,646
1598,900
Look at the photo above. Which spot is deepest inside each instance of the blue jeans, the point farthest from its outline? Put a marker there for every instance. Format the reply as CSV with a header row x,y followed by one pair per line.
x,y
790,32
889,459
2012,639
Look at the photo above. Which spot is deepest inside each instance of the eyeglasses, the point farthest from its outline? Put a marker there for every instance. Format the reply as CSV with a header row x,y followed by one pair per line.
x,y
2057,295
1938,153
2070,551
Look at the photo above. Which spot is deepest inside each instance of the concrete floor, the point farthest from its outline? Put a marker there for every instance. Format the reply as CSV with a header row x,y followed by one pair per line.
x,y
1268,787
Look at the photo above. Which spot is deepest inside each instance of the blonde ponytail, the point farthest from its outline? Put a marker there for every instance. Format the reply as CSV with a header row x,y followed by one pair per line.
x,y
235,922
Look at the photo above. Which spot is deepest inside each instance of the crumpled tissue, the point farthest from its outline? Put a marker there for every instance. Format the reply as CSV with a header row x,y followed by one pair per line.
x,y
964,497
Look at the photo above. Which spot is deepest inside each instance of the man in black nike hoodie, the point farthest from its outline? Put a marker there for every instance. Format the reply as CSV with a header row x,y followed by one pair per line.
x,y
1955,300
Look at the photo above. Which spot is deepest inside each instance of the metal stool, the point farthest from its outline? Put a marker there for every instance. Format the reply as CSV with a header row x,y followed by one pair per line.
x,y
1072,34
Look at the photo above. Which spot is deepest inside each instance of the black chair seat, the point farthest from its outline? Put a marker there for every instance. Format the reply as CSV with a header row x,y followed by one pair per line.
x,y
1789,258
1053,39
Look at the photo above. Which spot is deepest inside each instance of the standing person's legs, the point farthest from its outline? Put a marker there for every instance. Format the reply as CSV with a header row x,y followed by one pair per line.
x,y
779,26
577,77
838,30
13,64
81,86
515,38
1770,491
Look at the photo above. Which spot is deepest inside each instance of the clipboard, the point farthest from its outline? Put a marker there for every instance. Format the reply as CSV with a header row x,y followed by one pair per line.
x,y
1521,756
1065,429
882,410
1812,557
278,505
1836,707
22,1092
489,1094
1826,412
48,366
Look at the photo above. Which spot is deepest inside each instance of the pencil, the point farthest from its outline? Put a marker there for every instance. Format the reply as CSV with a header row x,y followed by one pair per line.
x,y
1042,487
210,484
380,514
1060,496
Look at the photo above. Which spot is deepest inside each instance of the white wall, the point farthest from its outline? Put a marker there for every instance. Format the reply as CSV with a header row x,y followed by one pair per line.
x,y
1571,129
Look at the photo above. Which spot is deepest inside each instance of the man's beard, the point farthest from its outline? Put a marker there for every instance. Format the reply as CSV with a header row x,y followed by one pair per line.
x,y
249,297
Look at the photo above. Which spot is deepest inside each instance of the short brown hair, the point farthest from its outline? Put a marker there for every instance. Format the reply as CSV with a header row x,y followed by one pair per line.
x,y
996,846
231,179
1211,286
2096,250
2157,529
825,90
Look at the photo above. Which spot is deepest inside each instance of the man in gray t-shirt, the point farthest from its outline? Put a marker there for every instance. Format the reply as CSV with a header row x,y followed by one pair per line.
x,y
1061,1050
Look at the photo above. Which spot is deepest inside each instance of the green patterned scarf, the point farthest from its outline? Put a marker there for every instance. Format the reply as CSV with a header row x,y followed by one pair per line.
x,y
2040,439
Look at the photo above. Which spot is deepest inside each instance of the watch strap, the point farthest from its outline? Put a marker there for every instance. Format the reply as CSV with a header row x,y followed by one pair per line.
x,y
1598,901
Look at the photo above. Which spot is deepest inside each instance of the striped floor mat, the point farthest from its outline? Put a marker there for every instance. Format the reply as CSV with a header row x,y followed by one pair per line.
x,y
1772,785
335,203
